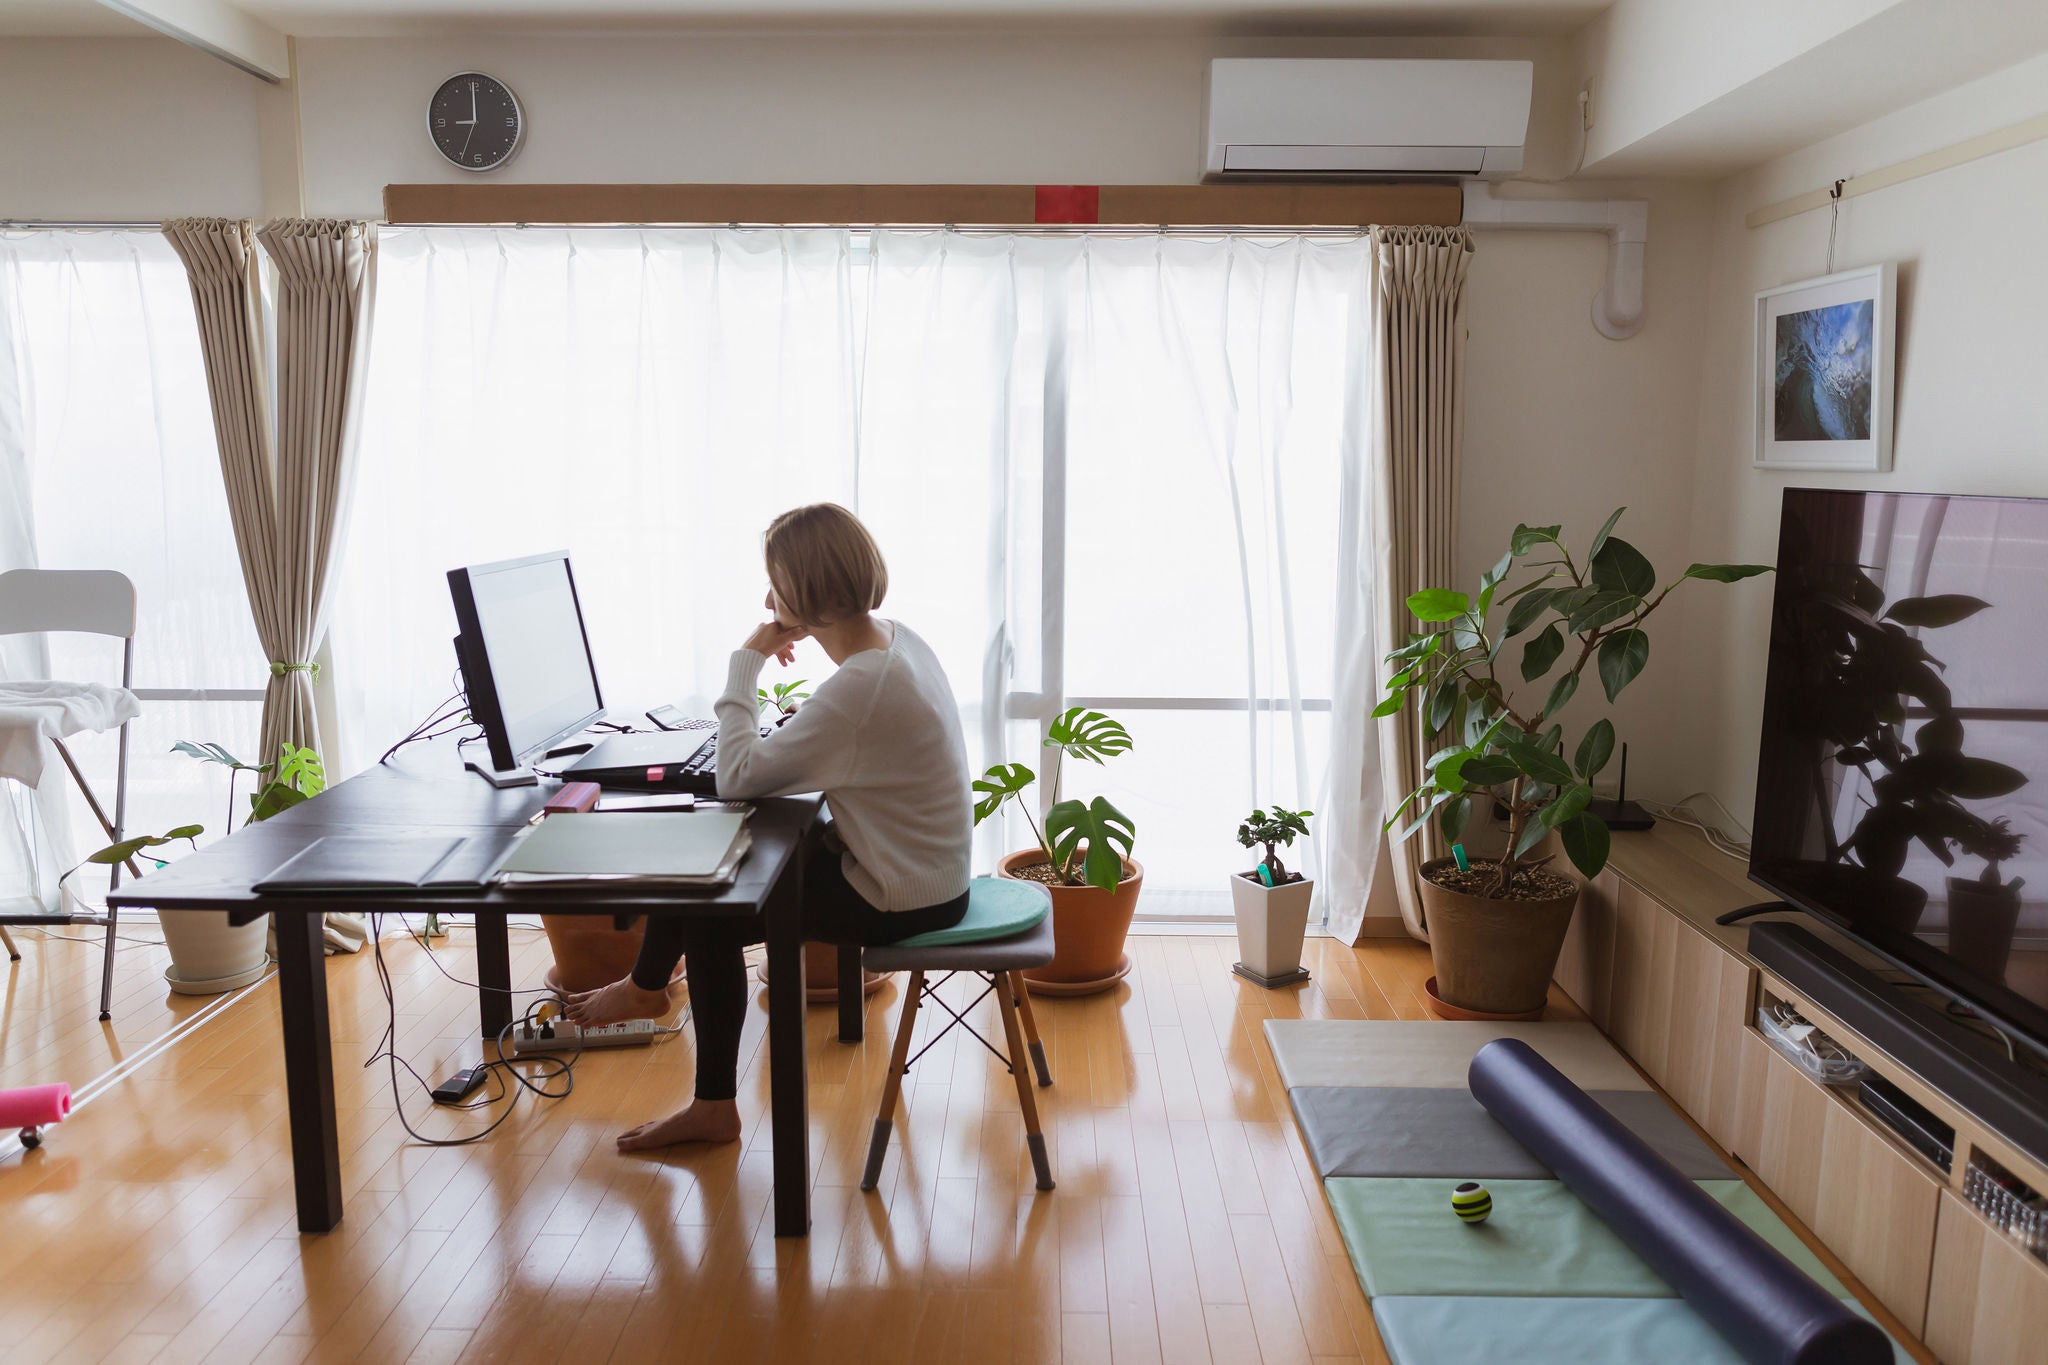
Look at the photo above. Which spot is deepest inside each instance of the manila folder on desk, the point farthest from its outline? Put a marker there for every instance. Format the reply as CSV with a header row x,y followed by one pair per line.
x,y
649,845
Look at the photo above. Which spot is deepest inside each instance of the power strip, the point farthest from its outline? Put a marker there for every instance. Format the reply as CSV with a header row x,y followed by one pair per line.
x,y
568,1037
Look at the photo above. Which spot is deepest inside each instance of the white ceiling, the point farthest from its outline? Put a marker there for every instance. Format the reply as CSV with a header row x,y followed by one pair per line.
x,y
367,18
63,19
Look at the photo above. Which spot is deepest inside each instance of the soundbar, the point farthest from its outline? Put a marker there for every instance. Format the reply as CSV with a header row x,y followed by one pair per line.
x,y
1947,1055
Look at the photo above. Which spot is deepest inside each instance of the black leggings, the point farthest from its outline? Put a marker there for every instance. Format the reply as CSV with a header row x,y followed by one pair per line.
x,y
715,953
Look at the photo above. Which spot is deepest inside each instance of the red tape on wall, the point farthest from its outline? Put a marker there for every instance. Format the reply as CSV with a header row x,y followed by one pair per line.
x,y
1068,204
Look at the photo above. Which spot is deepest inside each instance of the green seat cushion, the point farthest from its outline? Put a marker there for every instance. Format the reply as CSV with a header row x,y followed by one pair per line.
x,y
1541,1242
997,907
1492,1331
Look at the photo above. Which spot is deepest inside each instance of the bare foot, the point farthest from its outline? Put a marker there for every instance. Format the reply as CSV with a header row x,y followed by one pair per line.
x,y
620,1001
698,1121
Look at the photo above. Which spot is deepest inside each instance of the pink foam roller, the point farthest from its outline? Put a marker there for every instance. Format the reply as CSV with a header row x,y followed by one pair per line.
x,y
35,1106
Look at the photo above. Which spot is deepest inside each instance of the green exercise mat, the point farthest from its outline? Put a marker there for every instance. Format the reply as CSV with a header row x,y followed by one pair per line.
x,y
1541,1242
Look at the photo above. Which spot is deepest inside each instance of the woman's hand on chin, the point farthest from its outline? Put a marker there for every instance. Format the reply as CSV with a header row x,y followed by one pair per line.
x,y
776,640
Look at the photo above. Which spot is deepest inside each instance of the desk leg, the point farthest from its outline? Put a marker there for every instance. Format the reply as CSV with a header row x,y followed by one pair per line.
x,y
308,1069
789,1087
494,974
852,996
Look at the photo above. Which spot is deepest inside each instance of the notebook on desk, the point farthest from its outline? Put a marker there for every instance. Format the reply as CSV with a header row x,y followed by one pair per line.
x,y
372,863
686,848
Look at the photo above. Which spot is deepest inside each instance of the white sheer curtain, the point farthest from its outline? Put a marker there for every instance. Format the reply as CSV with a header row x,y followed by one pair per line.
x,y
107,462
646,400
1215,397
1104,471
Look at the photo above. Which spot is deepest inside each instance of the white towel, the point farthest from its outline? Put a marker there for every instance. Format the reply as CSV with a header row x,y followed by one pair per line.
x,y
33,711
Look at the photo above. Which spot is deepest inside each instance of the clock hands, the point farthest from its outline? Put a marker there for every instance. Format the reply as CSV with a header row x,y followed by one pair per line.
x,y
472,119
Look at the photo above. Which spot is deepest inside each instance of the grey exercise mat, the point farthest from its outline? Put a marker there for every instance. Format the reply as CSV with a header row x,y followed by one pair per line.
x,y
1418,1053
1405,1131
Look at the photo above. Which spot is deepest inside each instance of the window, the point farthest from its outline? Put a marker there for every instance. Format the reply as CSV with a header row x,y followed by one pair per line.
x,y
105,421
1106,472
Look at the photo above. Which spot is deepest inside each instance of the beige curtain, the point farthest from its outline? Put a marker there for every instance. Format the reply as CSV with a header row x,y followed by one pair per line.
x,y
287,480
1420,308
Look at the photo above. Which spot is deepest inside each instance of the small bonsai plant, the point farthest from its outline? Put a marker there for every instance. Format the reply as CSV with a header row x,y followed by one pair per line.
x,y
1276,829
1085,843
1510,748
782,700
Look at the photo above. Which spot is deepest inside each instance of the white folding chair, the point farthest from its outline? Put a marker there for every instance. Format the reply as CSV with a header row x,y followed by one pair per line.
x,y
90,602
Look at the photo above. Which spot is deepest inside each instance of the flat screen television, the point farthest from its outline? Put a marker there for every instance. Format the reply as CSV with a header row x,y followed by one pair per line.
x,y
1902,778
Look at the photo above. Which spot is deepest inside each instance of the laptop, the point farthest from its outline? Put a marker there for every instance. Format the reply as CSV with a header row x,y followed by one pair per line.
x,y
531,684
668,760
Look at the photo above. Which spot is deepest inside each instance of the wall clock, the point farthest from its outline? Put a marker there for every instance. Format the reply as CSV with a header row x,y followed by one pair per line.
x,y
475,121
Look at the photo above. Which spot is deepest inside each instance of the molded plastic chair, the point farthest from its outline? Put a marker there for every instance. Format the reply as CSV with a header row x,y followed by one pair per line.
x,y
90,602
1001,962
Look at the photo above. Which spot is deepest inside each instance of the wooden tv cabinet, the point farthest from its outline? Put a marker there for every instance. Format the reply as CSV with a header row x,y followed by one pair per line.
x,y
1679,994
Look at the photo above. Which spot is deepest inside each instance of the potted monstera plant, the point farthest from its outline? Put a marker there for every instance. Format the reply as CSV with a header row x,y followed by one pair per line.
x,y
1496,925
208,954
1083,857
1270,902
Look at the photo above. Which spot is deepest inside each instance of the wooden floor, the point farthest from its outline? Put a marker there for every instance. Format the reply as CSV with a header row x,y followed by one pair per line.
x,y
157,1223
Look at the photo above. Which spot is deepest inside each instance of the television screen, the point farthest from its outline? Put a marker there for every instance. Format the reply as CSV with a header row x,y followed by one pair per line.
x,y
1902,783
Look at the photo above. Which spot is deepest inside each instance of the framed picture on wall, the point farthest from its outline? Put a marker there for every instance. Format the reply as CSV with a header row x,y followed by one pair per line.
x,y
1824,372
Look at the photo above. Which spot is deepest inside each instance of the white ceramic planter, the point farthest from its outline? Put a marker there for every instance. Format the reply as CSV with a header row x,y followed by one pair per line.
x,y
1271,923
209,955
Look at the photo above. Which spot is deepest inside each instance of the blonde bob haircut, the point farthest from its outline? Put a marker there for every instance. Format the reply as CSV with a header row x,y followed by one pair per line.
x,y
824,565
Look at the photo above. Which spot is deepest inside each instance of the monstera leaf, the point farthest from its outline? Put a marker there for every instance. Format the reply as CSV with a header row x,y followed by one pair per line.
x,y
128,848
1107,832
998,785
1087,734
215,753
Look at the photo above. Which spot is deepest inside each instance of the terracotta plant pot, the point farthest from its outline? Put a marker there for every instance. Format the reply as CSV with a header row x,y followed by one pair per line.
x,y
1493,956
821,975
589,952
1088,929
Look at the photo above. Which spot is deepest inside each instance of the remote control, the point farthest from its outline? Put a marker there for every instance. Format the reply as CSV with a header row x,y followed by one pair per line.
x,y
461,1085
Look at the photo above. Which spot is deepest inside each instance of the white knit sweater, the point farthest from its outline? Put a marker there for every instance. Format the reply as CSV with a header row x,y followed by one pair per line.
x,y
881,739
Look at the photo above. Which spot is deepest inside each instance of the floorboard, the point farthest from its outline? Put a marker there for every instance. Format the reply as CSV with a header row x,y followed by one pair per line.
x,y
1189,1226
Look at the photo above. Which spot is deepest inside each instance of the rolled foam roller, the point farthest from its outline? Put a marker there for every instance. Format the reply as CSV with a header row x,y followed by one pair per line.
x,y
34,1107
1765,1307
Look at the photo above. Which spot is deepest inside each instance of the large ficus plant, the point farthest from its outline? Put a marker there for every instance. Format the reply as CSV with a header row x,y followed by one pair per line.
x,y
1501,738
1085,843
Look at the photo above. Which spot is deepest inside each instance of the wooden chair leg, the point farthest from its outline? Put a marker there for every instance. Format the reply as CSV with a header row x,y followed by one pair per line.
x,y
13,953
1021,993
1041,1164
899,1065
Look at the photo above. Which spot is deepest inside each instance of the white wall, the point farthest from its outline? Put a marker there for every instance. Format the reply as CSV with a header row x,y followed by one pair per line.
x,y
120,128
1564,426
859,108
1972,394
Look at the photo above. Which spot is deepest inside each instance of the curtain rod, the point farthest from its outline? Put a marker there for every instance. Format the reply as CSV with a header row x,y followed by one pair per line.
x,y
51,225
1957,154
985,229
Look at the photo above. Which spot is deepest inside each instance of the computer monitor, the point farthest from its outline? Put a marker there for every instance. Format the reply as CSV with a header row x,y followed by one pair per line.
x,y
525,658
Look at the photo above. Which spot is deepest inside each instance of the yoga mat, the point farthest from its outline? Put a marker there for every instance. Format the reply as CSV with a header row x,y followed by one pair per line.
x,y
1475,1331
1760,1302
35,1106
1541,1242
1413,1131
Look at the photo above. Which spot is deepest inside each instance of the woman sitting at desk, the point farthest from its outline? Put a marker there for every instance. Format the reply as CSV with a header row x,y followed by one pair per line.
x,y
880,738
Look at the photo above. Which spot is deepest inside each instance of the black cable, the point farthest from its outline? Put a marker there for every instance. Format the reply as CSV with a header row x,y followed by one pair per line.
x,y
553,1067
443,712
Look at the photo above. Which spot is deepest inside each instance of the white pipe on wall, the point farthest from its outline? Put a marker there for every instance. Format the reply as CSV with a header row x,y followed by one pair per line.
x,y
1618,307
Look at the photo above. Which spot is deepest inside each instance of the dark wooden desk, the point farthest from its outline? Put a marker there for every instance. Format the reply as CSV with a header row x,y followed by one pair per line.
x,y
425,790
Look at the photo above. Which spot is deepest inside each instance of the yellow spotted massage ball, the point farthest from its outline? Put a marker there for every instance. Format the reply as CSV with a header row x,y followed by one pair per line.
x,y
1471,1202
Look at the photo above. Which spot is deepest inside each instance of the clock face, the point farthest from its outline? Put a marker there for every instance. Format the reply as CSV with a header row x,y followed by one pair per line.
x,y
475,121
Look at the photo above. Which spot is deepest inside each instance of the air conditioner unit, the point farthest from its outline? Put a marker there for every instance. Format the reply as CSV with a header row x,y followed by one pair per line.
x,y
1367,118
